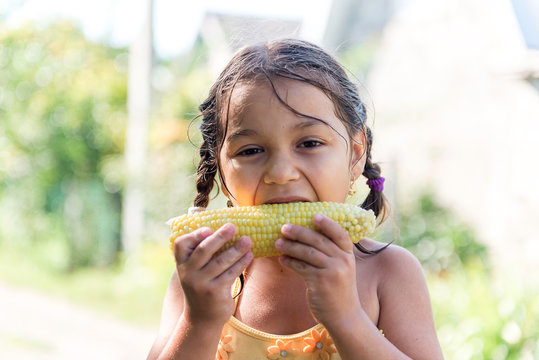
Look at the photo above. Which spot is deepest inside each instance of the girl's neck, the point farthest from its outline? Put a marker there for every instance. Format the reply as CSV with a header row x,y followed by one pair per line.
x,y
274,299
268,273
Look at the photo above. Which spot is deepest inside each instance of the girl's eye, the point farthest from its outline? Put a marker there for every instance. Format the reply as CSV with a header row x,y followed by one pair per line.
x,y
250,151
310,143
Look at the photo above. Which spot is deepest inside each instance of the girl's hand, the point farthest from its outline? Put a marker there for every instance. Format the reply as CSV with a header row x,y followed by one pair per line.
x,y
207,280
325,258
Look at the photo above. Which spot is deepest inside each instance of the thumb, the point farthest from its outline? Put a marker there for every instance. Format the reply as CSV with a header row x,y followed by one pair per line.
x,y
185,245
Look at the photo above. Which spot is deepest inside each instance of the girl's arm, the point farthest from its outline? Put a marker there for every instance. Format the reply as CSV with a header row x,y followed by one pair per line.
x,y
180,335
198,301
405,315
170,314
326,261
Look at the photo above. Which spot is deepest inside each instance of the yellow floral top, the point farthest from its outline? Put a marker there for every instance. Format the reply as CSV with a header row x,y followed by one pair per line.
x,y
241,342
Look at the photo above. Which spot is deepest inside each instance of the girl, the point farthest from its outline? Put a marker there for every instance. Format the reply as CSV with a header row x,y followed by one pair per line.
x,y
284,123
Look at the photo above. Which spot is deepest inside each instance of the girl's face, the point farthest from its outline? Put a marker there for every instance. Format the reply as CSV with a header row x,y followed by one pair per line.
x,y
271,155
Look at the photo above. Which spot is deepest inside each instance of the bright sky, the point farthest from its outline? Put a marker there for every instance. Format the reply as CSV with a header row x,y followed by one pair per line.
x,y
176,22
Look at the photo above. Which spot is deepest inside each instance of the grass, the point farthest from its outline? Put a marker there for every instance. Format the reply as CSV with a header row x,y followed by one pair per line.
x,y
481,317
23,342
132,290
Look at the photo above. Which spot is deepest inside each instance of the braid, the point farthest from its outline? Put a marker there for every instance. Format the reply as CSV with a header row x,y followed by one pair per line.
x,y
207,167
375,201
206,170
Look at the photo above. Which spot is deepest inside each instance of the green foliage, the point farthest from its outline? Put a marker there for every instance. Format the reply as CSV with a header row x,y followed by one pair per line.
x,y
62,103
476,317
439,240
174,140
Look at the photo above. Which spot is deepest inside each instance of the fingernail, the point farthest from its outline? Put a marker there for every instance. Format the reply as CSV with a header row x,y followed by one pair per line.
x,y
286,228
318,217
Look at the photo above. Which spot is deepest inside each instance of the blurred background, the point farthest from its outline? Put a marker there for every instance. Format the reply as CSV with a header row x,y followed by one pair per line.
x,y
98,150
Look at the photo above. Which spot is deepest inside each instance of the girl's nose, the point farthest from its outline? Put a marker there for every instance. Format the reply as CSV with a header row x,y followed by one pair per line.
x,y
280,169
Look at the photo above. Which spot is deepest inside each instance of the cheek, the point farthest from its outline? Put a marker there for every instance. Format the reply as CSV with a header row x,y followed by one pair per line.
x,y
331,177
240,179
229,173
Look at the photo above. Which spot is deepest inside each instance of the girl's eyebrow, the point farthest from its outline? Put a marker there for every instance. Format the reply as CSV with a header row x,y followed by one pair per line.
x,y
237,134
250,132
309,122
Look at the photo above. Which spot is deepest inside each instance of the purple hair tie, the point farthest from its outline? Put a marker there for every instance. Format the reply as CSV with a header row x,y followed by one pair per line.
x,y
376,184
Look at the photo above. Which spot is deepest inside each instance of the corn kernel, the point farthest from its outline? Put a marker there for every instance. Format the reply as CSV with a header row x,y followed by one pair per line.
x,y
263,222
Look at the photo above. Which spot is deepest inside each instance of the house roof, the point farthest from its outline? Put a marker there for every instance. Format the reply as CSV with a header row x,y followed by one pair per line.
x,y
238,30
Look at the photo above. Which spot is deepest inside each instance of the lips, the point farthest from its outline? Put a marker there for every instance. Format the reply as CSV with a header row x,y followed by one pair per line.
x,y
286,199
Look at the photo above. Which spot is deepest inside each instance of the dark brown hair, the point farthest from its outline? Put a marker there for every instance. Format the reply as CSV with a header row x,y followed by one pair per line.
x,y
291,59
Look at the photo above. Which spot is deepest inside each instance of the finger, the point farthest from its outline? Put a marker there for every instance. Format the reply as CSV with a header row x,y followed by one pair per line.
x,y
333,231
299,266
229,257
207,248
229,275
184,245
301,251
309,237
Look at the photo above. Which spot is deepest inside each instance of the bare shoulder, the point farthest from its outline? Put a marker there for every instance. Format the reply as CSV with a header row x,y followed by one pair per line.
x,y
398,271
396,261
392,259
405,309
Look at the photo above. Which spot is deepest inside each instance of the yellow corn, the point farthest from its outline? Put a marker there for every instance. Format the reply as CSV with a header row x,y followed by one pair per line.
x,y
263,223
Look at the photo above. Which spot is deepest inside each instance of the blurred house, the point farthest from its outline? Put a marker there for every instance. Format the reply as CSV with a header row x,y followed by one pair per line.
x,y
351,22
454,85
224,34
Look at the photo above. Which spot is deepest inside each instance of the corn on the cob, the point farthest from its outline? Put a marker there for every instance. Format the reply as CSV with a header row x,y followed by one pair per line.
x,y
263,223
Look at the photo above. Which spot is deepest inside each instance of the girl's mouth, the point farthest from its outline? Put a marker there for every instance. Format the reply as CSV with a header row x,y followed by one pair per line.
x,y
281,200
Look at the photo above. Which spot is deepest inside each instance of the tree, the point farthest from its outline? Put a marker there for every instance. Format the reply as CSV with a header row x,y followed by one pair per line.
x,y
62,111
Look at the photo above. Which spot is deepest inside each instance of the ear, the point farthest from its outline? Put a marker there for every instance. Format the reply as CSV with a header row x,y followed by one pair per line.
x,y
359,154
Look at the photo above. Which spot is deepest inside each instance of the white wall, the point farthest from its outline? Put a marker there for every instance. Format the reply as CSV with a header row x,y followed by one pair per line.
x,y
452,112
